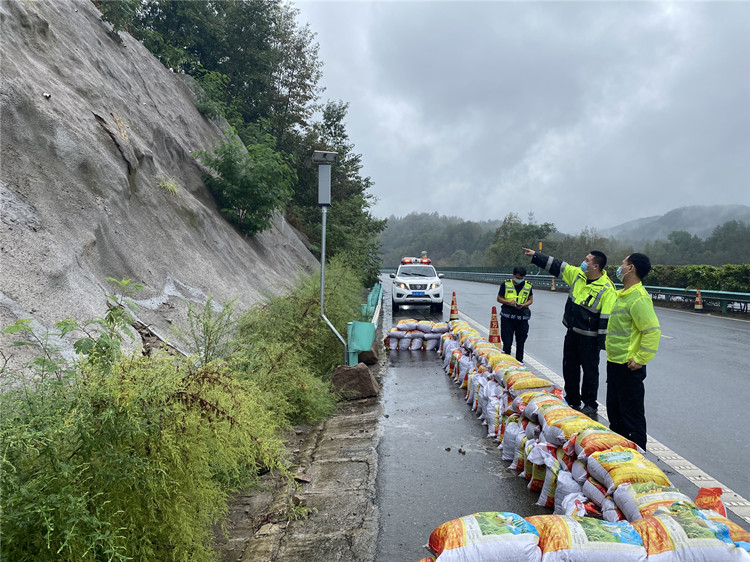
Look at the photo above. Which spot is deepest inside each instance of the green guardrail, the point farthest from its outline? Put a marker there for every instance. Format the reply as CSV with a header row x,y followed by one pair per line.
x,y
720,300
539,281
361,334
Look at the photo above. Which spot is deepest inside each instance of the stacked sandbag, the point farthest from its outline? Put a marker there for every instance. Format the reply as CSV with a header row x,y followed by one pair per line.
x,y
642,499
485,536
411,334
678,533
682,533
564,538
603,492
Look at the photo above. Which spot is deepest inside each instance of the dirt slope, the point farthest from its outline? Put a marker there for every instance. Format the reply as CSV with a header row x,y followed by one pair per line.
x,y
90,132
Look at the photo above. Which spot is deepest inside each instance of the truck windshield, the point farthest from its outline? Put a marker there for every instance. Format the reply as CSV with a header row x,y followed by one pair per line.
x,y
417,271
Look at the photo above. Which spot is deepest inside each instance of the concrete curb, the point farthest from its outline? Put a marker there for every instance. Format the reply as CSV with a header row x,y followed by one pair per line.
x,y
336,468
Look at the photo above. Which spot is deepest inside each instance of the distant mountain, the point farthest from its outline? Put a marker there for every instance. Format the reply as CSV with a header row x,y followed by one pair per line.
x,y
699,220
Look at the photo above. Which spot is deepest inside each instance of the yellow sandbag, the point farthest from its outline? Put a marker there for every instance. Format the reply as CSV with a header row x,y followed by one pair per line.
x,y
620,464
485,536
563,538
642,499
559,431
512,377
593,440
496,359
458,325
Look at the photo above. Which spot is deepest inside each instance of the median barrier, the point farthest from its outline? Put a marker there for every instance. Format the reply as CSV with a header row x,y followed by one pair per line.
x,y
719,301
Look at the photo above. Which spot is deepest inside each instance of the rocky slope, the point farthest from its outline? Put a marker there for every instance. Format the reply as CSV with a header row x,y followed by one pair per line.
x,y
92,134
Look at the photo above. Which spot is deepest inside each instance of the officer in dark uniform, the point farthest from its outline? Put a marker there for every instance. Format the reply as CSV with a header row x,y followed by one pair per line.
x,y
515,296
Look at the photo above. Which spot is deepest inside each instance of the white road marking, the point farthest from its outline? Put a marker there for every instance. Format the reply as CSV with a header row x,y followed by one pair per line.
x,y
732,500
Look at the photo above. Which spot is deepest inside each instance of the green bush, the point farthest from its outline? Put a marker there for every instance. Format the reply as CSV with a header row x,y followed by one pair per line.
x,y
130,457
133,460
289,352
250,183
735,278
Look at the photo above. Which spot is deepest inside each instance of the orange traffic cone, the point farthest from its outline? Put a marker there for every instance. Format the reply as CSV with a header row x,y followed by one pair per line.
x,y
552,287
698,300
454,308
494,328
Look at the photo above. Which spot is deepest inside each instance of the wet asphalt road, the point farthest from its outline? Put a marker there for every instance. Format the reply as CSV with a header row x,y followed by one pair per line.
x,y
697,387
423,478
696,396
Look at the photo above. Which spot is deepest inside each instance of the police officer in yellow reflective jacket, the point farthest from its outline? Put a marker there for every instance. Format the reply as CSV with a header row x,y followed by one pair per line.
x,y
633,336
587,309
515,296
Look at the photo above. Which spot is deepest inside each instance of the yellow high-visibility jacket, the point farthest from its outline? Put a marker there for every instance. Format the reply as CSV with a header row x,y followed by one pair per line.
x,y
633,331
517,296
589,302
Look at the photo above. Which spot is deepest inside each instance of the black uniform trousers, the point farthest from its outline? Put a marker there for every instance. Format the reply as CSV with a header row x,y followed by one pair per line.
x,y
625,402
510,327
581,353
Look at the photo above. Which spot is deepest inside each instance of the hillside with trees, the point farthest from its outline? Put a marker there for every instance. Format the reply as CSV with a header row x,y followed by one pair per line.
x,y
159,317
453,242
698,220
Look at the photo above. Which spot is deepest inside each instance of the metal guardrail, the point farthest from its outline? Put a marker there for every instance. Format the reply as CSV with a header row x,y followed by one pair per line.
x,y
724,301
720,299
369,308
539,281
361,334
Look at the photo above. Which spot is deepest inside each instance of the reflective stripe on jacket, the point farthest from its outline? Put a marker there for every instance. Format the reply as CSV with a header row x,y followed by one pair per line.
x,y
633,331
589,304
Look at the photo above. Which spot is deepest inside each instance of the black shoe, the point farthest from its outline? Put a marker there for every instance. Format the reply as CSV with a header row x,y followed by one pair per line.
x,y
576,407
589,410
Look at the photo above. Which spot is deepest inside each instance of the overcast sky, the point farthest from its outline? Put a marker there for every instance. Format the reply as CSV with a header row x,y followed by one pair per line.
x,y
584,113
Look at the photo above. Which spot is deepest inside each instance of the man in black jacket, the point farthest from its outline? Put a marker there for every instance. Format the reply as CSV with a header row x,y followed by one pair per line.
x,y
587,310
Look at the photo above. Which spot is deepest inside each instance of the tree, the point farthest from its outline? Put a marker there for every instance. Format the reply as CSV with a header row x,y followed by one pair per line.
x,y
250,183
351,229
460,258
511,237
294,87
729,243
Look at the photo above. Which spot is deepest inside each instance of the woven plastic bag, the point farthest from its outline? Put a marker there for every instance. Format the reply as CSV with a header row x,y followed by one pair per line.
x,y
619,465
564,538
486,536
679,534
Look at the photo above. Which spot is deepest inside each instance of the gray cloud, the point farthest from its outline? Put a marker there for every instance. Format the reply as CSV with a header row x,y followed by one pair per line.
x,y
587,114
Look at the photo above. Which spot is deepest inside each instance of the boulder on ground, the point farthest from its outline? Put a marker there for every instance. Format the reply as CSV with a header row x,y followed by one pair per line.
x,y
353,383
371,356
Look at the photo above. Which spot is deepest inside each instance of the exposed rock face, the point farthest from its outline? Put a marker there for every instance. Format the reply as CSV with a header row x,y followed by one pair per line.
x,y
92,133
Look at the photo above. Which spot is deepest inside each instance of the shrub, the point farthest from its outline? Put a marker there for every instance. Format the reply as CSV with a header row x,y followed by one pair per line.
x,y
169,185
130,457
135,460
729,277
250,183
288,350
